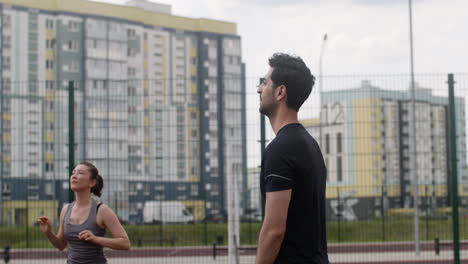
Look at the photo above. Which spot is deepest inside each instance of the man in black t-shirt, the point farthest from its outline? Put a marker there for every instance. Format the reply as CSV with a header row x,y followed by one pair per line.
x,y
293,173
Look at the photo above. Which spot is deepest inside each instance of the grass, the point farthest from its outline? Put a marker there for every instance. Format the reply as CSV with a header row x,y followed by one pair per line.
x,y
201,234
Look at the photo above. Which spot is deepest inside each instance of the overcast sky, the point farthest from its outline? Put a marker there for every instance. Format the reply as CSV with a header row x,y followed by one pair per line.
x,y
364,37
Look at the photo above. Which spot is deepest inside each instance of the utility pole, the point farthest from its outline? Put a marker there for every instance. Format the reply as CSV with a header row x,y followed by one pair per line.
x,y
413,152
324,42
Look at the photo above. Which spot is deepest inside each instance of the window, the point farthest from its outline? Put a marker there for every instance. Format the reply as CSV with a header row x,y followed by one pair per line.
x,y
133,188
131,72
6,41
50,43
339,169
48,188
49,84
338,143
6,188
159,187
49,64
6,84
67,83
49,167
194,190
6,21
6,62
131,33
132,91
71,45
33,196
49,24
73,26
70,67
326,165
33,186
327,143
73,66
214,189
49,146
147,188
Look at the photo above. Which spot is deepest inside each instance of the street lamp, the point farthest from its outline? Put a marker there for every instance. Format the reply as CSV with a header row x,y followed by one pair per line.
x,y
322,50
414,171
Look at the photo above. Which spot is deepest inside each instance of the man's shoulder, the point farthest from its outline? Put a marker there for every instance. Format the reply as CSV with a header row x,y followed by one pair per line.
x,y
279,144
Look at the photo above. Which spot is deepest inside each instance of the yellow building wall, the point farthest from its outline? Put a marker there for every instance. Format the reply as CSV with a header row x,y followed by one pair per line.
x,y
27,212
130,13
393,190
368,150
463,190
192,177
165,69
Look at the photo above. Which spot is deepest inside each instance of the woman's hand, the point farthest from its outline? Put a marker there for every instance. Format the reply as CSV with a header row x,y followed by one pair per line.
x,y
87,235
44,224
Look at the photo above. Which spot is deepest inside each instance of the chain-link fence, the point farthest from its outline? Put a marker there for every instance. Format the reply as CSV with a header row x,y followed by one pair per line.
x,y
181,166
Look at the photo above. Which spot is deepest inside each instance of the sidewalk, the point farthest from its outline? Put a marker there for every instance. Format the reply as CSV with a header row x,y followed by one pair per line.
x,y
445,257
347,253
397,257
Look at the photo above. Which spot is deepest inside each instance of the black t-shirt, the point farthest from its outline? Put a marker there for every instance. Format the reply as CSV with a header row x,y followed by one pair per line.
x,y
293,161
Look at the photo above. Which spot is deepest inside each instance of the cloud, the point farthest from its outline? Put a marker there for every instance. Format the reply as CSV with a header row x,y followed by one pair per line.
x,y
365,36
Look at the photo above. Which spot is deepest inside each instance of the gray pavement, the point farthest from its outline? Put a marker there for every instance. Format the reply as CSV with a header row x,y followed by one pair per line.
x,y
348,258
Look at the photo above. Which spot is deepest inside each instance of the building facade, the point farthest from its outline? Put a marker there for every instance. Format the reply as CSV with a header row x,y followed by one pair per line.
x,y
159,104
366,137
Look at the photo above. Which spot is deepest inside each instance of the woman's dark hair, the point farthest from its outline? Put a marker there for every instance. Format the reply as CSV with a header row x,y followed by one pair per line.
x,y
291,71
96,190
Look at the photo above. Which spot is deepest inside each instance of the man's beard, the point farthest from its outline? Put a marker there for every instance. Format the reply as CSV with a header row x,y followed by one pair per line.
x,y
267,109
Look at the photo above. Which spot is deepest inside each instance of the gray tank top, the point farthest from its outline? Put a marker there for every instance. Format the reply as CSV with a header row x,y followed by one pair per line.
x,y
80,251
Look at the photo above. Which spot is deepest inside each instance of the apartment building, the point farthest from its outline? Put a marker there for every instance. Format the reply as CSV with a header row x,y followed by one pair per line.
x,y
366,137
159,104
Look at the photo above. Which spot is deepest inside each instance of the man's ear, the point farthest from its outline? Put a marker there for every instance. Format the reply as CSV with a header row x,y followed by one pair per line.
x,y
281,92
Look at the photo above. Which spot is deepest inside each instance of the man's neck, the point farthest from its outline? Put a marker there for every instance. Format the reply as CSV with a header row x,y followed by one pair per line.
x,y
283,118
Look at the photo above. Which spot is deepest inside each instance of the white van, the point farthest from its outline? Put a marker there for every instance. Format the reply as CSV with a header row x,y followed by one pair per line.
x,y
166,212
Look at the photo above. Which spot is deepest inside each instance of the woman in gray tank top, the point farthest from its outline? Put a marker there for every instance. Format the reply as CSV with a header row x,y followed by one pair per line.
x,y
83,223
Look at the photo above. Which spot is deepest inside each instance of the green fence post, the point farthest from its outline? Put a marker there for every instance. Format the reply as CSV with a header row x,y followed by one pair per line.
x,y
205,226
454,170
426,205
262,145
339,213
71,136
1,155
160,222
27,221
382,206
250,231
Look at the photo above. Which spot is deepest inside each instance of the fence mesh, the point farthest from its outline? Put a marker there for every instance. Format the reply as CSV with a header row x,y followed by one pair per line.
x,y
179,165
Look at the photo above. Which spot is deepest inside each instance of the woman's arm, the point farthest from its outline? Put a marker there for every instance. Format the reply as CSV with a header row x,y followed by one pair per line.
x,y
58,240
107,218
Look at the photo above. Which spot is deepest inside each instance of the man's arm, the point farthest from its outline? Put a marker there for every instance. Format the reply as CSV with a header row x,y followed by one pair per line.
x,y
274,226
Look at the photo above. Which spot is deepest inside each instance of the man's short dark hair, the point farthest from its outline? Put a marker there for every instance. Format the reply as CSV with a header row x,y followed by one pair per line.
x,y
291,71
